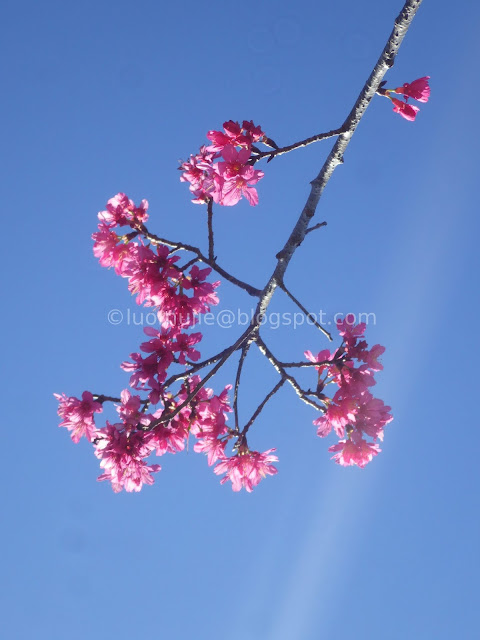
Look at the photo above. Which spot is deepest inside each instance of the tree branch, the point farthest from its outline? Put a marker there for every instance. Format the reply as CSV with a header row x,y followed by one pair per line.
x,y
167,416
259,409
306,312
335,156
296,145
285,376
211,255
253,291
243,355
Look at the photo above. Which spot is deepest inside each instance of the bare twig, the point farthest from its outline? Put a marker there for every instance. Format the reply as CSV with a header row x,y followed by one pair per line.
x,y
259,409
286,376
243,355
315,226
211,255
306,312
194,367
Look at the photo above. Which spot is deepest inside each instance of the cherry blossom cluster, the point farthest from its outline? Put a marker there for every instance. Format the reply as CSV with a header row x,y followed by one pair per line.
x,y
153,277
353,413
159,421
417,90
221,171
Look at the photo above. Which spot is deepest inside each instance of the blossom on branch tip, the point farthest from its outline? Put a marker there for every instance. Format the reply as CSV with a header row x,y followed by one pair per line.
x,y
354,451
225,181
247,468
122,212
78,414
418,89
122,453
407,111
352,412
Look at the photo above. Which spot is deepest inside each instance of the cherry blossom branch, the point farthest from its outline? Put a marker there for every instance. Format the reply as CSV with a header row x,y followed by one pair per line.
x,y
168,416
286,376
302,226
253,291
296,145
306,312
197,366
100,397
335,157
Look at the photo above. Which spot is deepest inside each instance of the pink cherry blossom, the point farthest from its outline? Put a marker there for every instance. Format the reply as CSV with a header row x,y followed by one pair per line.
x,y
184,346
370,357
254,133
246,468
226,181
349,330
239,186
354,451
171,437
108,250
203,291
372,415
232,135
78,414
418,89
212,447
121,211
407,111
122,455
353,410
340,412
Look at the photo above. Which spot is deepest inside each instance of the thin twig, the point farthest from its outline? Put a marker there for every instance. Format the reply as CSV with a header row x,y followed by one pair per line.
x,y
259,409
287,365
253,291
243,355
168,416
211,255
197,366
306,312
286,376
316,226
296,145
188,264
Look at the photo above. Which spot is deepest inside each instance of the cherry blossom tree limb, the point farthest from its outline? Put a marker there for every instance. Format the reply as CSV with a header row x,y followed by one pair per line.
x,y
296,145
253,291
302,394
335,157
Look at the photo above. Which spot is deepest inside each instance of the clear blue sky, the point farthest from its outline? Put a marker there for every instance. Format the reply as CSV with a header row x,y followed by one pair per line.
x,y
101,97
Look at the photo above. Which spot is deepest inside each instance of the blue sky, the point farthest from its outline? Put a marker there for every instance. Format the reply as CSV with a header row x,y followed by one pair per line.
x,y
105,97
